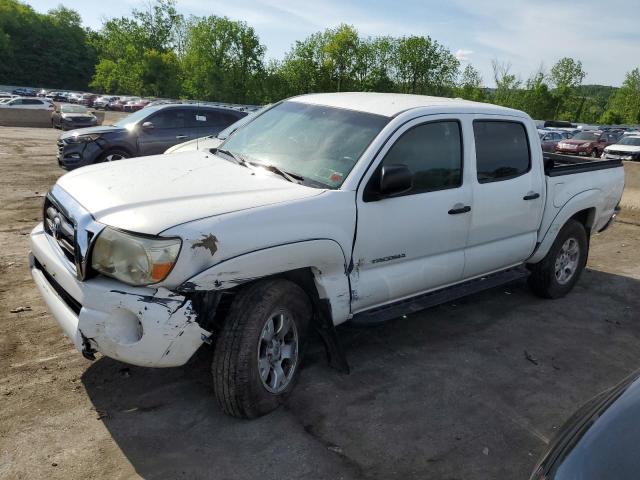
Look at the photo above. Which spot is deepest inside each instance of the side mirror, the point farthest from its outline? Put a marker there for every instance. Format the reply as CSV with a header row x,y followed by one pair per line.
x,y
395,179
148,126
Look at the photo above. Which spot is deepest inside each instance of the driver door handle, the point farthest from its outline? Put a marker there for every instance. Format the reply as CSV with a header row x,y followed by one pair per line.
x,y
531,196
456,211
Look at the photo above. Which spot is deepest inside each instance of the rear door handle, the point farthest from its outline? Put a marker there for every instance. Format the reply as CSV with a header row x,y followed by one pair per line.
x,y
180,137
456,211
531,196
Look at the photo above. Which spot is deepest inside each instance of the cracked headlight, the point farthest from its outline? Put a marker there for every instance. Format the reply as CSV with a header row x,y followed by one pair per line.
x,y
134,259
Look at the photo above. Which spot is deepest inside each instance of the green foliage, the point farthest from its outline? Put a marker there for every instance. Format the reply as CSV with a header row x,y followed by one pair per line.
x,y
625,103
566,76
223,60
158,52
507,84
136,54
424,66
470,85
43,49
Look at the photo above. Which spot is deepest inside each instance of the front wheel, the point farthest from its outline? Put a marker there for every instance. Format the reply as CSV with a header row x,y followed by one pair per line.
x,y
112,156
557,273
594,153
259,350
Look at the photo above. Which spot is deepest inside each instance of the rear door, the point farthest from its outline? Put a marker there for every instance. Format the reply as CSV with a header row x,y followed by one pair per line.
x,y
508,196
167,128
410,243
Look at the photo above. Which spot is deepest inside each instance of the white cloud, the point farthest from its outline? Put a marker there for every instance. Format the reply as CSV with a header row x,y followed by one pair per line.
x,y
463,55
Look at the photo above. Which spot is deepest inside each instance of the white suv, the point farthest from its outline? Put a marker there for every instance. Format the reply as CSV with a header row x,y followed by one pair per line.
x,y
30,103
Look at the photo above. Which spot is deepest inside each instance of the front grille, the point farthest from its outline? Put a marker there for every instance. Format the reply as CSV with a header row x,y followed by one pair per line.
x,y
71,302
61,228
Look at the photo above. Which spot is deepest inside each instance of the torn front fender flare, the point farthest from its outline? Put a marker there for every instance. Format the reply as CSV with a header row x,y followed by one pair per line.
x,y
324,257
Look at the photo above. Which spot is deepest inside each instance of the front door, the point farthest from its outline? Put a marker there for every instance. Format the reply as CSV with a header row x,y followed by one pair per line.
x,y
167,128
508,196
415,241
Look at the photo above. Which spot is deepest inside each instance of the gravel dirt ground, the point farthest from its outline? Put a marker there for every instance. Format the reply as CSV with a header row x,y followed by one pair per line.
x,y
469,390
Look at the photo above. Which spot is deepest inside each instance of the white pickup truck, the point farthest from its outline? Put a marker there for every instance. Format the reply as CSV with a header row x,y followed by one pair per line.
x,y
324,208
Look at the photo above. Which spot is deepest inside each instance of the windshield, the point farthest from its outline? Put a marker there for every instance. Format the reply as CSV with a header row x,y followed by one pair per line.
x,y
73,109
588,136
319,143
635,141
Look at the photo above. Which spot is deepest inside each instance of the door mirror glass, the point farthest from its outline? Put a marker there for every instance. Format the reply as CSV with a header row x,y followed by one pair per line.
x,y
148,126
395,179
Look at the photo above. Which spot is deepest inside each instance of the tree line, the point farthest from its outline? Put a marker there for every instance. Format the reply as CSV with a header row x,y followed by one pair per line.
x,y
160,52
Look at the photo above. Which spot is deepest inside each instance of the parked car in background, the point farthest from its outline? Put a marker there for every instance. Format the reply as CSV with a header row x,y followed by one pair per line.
x,y
56,96
25,92
146,132
74,97
7,95
135,105
68,117
42,92
87,99
549,140
103,101
211,141
591,143
28,103
600,441
118,104
557,124
324,208
162,101
627,148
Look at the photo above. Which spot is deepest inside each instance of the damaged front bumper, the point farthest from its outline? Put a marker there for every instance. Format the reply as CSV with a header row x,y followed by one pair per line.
x,y
151,327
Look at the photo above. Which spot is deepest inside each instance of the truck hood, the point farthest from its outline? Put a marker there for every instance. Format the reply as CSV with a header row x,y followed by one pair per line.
x,y
151,194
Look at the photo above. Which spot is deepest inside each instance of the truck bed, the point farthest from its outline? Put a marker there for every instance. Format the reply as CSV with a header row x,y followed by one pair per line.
x,y
556,164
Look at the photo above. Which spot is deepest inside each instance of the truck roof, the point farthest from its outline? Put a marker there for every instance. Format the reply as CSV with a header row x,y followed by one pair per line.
x,y
392,104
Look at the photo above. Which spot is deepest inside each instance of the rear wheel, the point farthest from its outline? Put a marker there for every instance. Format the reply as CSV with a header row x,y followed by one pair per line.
x,y
594,153
113,155
258,352
556,274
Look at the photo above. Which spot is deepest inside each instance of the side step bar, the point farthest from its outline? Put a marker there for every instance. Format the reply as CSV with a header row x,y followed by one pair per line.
x,y
393,310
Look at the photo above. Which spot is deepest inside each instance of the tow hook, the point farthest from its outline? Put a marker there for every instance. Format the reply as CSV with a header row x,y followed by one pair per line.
x,y
88,351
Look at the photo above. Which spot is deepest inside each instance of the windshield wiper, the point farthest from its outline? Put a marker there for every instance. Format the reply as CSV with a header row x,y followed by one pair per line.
x,y
292,177
235,157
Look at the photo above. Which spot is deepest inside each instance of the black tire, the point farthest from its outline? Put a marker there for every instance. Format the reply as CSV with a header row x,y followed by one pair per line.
x,y
594,153
238,386
109,154
544,280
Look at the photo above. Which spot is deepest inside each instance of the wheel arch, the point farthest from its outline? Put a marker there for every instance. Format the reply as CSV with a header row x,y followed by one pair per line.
x,y
317,266
580,208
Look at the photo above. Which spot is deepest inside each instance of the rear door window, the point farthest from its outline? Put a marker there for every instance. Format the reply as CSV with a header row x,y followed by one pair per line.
x,y
502,150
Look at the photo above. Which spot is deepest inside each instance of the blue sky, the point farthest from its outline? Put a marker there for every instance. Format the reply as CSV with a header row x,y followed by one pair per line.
x,y
605,35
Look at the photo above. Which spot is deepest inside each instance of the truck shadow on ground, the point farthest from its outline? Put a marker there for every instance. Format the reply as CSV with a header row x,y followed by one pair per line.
x,y
470,389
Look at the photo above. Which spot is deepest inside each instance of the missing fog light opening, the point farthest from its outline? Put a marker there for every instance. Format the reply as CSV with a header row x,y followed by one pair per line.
x,y
124,327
